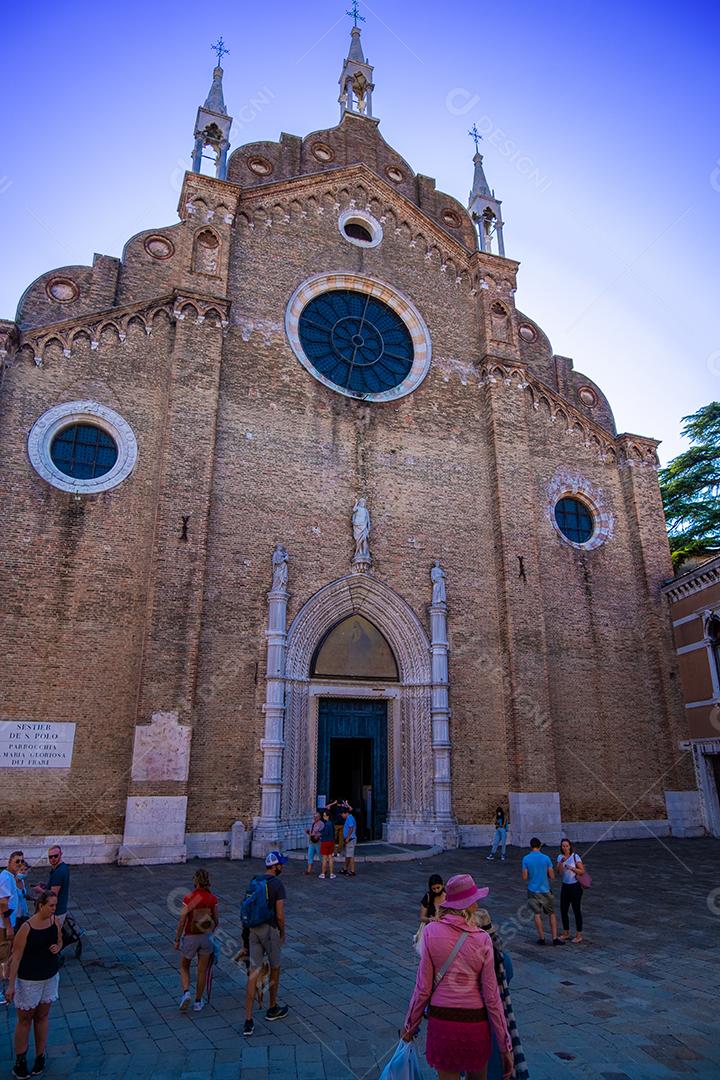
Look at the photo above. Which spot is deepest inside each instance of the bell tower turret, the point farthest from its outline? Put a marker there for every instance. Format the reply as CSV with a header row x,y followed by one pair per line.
x,y
212,126
484,207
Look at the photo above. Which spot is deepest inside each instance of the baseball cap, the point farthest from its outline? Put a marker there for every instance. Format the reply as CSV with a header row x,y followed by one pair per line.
x,y
275,858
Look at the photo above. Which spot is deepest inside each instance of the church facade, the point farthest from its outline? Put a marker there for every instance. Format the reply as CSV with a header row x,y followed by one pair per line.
x,y
300,505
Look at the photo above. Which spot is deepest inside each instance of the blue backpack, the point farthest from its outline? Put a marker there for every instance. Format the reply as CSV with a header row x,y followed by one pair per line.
x,y
256,908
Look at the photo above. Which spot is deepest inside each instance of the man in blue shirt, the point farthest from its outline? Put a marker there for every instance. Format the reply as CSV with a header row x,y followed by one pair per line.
x,y
537,870
59,881
349,841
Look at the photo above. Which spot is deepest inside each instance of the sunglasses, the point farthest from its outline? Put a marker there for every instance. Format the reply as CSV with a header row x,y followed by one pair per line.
x,y
57,855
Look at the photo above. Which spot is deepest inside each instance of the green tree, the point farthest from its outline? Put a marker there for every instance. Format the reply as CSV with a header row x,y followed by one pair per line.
x,y
690,486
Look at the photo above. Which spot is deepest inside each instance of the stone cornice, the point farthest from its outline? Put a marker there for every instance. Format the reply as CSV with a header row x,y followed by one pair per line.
x,y
359,173
693,581
631,450
93,325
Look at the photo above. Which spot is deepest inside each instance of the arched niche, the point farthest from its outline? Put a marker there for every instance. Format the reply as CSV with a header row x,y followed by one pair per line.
x,y
354,649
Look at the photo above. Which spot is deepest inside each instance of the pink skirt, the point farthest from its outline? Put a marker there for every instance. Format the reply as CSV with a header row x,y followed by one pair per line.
x,y
457,1046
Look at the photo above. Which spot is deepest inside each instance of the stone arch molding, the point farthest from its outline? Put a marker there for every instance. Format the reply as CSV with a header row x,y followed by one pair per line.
x,y
411,798
360,595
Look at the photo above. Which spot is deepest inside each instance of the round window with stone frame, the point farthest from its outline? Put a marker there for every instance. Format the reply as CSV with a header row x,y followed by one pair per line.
x,y
575,520
358,337
360,228
82,447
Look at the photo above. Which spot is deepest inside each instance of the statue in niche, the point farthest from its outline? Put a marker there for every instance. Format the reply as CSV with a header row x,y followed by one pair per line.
x,y
279,568
437,576
360,88
361,531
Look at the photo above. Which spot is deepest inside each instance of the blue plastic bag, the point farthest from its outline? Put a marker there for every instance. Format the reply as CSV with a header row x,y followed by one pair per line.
x,y
403,1065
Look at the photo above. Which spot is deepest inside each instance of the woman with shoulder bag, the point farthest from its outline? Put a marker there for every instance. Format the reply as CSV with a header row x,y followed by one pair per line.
x,y
456,981
571,868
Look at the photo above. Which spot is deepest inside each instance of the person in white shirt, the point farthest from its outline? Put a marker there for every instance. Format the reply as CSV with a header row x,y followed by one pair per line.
x,y
570,866
9,907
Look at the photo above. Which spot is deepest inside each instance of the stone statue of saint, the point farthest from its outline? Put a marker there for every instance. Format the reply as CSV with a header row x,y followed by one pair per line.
x,y
361,531
437,575
279,567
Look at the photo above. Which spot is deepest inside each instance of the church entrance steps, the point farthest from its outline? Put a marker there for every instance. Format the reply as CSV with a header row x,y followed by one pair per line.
x,y
380,851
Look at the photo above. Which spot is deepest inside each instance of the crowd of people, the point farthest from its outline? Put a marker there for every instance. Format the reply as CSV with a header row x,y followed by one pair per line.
x,y
464,972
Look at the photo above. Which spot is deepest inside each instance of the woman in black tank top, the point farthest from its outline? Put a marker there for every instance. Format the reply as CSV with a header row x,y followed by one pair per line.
x,y
34,967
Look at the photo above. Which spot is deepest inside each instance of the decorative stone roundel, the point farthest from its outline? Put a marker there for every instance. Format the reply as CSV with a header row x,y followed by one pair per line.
x,y
260,165
567,488
396,175
527,333
451,219
588,396
360,228
63,290
387,353
323,152
159,247
89,414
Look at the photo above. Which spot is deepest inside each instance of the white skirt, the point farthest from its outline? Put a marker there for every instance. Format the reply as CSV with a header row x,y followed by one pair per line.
x,y
29,993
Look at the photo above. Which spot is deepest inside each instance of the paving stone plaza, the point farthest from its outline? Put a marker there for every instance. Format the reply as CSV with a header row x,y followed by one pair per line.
x,y
637,1000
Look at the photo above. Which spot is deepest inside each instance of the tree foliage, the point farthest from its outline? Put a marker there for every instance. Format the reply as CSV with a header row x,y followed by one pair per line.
x,y
690,487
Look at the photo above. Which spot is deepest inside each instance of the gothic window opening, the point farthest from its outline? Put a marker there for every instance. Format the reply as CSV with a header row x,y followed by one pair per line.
x,y
355,649
206,253
500,323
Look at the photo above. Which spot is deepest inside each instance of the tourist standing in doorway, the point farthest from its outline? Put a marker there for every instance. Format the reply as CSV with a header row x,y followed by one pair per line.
x,y
570,866
198,919
537,871
314,833
327,846
263,911
502,824
336,808
456,980
59,881
34,981
349,841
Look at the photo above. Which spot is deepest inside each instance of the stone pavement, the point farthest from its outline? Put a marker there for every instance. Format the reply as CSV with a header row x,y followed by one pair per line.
x,y
637,1001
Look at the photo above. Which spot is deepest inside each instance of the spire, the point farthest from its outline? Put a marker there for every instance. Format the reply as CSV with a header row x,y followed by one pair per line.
x,y
212,125
356,79
483,206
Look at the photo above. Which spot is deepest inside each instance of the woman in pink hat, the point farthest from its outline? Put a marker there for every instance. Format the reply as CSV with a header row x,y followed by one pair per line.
x,y
456,980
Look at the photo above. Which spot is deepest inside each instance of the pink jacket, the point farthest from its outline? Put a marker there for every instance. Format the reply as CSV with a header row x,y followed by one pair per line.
x,y
470,981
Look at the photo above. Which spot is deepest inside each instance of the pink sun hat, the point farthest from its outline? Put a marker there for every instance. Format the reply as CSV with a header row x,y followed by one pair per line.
x,y
461,891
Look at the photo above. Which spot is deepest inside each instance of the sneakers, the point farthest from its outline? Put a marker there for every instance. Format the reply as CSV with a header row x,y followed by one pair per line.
x,y
21,1067
321,877
198,1006
489,858
502,858
277,1012
39,1066
248,1028
185,1001
333,876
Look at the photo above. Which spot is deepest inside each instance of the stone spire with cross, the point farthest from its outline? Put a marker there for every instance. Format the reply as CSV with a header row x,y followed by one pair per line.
x,y
483,206
356,79
212,125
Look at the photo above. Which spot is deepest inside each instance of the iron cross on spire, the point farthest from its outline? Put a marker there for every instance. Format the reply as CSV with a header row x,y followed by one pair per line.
x,y
219,48
355,14
475,136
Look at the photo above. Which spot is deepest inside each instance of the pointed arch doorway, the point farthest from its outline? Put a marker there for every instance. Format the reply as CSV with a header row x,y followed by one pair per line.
x,y
352,733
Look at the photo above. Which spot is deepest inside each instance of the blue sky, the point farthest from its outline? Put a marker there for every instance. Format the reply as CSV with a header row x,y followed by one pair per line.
x,y
601,138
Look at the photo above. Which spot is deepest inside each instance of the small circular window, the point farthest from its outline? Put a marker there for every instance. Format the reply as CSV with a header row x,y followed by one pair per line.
x,y
83,451
82,447
574,520
360,228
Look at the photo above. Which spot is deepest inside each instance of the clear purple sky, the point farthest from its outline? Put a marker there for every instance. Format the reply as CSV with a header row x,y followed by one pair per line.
x,y
601,139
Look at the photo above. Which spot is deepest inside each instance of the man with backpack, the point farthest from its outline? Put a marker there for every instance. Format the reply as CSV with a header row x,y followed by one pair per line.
x,y
263,914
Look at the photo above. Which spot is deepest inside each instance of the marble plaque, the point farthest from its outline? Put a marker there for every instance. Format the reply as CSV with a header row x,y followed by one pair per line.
x,y
29,744
162,749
